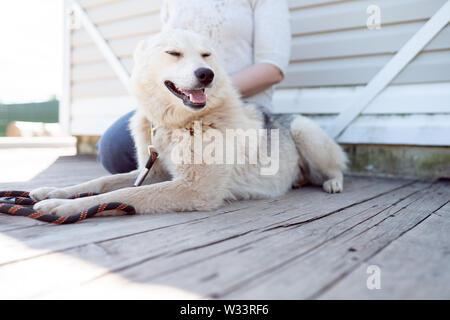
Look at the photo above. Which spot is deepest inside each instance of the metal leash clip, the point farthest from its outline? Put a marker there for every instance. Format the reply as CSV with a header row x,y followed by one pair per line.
x,y
153,155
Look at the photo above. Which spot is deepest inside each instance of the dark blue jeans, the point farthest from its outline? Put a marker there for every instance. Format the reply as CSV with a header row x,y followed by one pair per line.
x,y
116,150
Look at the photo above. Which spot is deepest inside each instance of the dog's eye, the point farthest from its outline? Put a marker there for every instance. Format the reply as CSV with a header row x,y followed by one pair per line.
x,y
205,55
174,53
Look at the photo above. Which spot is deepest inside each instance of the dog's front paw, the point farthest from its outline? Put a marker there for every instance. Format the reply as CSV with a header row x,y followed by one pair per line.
x,y
332,186
48,193
59,207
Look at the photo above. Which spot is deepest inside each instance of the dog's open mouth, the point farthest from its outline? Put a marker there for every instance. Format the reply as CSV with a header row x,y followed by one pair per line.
x,y
194,98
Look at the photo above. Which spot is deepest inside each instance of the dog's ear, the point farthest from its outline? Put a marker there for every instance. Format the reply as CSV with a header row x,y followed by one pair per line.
x,y
140,49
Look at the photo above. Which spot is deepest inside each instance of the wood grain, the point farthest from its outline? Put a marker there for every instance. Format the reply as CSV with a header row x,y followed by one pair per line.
x,y
302,245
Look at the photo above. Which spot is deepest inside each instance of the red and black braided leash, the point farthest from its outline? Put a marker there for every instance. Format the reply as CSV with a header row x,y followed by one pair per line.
x,y
19,203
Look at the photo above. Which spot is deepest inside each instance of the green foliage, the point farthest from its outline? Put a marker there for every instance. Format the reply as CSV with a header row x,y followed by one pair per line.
x,y
34,112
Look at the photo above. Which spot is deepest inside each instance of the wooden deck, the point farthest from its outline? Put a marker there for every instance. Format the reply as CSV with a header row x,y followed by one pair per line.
x,y
305,245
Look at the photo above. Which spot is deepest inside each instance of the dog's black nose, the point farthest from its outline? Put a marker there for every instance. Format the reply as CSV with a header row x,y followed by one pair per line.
x,y
204,75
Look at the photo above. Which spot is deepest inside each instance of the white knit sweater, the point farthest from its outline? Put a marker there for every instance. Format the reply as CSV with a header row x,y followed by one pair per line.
x,y
243,32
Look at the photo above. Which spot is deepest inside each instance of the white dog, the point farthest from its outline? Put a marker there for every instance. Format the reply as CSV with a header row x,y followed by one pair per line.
x,y
183,91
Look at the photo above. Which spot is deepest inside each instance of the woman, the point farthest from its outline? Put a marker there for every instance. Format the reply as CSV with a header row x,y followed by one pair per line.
x,y
251,36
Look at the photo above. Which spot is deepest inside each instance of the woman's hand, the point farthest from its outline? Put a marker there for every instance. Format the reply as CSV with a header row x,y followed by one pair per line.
x,y
256,78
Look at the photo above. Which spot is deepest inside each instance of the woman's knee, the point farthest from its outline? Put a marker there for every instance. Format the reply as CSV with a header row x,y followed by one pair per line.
x,y
116,150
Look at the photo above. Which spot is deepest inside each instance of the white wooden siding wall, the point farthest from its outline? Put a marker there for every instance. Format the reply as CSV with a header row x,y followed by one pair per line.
x,y
333,56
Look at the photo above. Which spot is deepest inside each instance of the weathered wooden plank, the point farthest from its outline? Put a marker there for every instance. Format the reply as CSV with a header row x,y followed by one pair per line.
x,y
412,107
123,10
6,224
196,257
292,3
430,69
320,268
353,14
47,238
358,70
98,71
101,229
144,245
348,43
427,67
113,61
413,267
143,25
415,129
342,16
106,228
97,80
66,170
123,48
253,228
96,3
420,129
398,99
96,89
318,46
295,4
393,69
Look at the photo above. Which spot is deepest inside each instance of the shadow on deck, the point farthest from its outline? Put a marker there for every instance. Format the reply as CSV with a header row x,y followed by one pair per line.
x,y
306,244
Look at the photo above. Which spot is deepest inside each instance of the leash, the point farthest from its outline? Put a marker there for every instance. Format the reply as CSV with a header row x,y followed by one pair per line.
x,y
19,203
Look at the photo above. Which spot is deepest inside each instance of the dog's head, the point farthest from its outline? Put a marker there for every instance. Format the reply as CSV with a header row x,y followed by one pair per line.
x,y
177,75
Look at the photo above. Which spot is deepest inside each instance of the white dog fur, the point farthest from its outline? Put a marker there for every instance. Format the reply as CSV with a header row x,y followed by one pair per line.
x,y
307,153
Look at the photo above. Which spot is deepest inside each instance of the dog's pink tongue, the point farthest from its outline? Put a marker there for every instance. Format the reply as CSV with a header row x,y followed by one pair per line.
x,y
196,96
